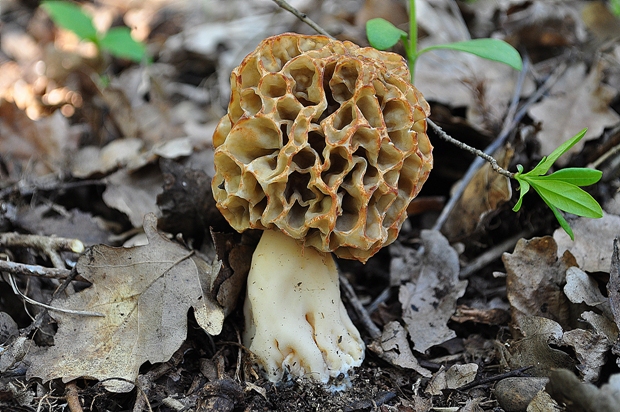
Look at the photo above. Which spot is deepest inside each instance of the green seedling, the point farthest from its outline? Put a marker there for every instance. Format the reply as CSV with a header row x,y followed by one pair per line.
x,y
560,190
117,41
382,35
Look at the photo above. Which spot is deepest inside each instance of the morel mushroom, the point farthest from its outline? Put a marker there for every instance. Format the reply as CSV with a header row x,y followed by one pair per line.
x,y
323,146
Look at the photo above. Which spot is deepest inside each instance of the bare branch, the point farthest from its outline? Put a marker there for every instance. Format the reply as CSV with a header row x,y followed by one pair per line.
x,y
507,128
445,136
50,245
43,305
23,269
303,17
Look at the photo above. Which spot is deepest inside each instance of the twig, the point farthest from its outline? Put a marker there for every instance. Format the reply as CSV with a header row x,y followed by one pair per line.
x,y
445,136
510,374
372,403
73,398
303,17
50,245
239,356
490,255
363,315
27,188
24,269
476,164
67,282
43,305
609,153
383,296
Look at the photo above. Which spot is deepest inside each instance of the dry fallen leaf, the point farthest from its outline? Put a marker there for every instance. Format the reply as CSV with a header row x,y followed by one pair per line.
x,y
535,277
590,345
460,375
452,378
578,100
601,324
134,194
533,349
429,300
42,145
393,347
494,316
591,349
8,328
613,289
482,196
13,354
581,288
53,220
92,160
145,293
127,152
543,402
593,244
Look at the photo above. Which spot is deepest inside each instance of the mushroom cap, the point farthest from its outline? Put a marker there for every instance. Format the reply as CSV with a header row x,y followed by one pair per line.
x,y
325,141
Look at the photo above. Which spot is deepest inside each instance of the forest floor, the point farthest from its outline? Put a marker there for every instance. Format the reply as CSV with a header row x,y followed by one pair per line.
x,y
117,156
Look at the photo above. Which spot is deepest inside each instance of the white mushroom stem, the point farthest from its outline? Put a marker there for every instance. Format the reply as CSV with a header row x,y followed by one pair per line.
x,y
295,321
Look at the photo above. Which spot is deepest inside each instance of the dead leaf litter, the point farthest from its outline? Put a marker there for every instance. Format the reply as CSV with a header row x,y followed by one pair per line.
x,y
118,156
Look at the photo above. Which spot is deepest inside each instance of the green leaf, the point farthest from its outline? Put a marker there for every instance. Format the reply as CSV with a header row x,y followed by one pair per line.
x,y
615,7
561,220
566,197
548,161
524,187
119,43
578,176
558,216
490,49
382,34
70,16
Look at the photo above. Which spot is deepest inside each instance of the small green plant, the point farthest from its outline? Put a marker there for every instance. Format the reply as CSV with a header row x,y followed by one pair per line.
x,y
560,190
382,35
117,41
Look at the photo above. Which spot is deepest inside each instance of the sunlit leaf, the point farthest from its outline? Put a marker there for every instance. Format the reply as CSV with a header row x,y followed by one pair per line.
x,y
490,49
70,16
566,197
382,34
559,217
119,43
578,176
561,220
548,161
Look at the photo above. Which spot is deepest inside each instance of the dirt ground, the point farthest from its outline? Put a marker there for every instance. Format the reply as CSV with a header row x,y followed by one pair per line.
x,y
478,308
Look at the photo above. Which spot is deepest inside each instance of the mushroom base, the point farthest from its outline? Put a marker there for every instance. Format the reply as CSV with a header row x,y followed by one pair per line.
x,y
295,321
